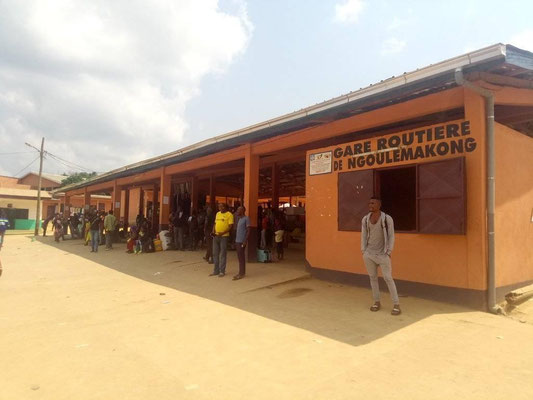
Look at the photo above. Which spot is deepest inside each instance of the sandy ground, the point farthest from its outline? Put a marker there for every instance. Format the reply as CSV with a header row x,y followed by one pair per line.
x,y
76,325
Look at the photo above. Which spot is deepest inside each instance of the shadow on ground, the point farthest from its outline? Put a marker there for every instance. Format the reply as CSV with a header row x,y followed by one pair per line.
x,y
283,292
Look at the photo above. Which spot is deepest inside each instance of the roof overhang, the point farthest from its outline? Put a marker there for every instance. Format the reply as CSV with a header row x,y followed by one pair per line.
x,y
501,59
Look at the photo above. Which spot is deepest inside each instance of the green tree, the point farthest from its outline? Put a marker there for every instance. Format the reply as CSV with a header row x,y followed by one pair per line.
x,y
77,177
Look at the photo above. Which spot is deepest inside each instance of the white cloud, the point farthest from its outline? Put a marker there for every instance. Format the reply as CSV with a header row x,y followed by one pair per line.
x,y
396,23
392,46
349,10
399,23
523,40
109,80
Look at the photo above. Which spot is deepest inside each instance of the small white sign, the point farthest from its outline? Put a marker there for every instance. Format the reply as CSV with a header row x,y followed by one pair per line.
x,y
165,199
320,163
117,204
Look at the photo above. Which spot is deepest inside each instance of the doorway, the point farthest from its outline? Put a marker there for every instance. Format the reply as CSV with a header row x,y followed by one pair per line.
x,y
397,189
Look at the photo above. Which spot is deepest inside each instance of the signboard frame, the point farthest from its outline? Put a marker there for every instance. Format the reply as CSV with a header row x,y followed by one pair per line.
x,y
320,163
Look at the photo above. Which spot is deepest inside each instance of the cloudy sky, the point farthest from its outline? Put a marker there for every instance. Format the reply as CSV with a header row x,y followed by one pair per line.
x,y
108,83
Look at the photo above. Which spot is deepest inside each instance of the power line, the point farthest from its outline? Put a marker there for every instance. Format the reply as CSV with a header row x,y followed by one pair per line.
x,y
62,164
28,165
69,162
66,163
16,152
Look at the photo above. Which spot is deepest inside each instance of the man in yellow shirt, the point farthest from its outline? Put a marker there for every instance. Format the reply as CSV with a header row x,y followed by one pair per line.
x,y
221,230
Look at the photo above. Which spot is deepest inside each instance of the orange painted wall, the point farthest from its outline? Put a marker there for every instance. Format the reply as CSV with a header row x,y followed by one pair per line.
x,y
447,260
46,204
134,204
514,206
12,182
78,202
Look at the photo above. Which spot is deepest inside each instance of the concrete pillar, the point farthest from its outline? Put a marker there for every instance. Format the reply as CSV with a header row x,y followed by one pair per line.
x,y
134,204
275,186
116,197
126,208
66,207
86,200
194,193
164,200
141,202
155,216
251,194
212,193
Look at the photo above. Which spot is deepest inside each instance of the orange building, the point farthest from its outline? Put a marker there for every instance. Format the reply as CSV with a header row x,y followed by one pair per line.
x,y
447,148
18,199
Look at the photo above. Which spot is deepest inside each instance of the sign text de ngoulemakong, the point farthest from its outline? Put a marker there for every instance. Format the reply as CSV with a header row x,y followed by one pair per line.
x,y
441,140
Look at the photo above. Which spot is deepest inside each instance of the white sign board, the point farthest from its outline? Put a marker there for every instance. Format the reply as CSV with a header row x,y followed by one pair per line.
x,y
320,163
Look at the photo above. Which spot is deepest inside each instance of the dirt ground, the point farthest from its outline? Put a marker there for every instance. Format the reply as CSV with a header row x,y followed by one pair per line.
x,y
110,325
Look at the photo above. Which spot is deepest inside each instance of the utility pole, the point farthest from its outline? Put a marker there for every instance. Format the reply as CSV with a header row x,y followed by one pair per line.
x,y
38,213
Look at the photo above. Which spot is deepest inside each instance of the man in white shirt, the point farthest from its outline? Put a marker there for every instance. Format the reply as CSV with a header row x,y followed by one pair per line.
x,y
377,242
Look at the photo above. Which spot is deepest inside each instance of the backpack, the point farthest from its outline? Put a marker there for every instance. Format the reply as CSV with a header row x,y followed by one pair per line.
x,y
384,224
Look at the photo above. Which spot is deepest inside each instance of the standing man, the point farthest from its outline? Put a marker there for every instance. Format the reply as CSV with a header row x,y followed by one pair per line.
x,y
193,230
4,224
264,230
377,242
221,230
241,239
178,223
45,224
208,232
110,223
96,223
102,214
64,222
58,227
74,224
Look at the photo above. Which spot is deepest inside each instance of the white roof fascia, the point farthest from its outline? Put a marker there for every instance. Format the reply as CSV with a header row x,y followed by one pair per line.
x,y
482,55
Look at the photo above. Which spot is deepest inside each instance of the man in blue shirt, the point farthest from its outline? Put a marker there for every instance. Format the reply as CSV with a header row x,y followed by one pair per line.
x,y
4,224
241,239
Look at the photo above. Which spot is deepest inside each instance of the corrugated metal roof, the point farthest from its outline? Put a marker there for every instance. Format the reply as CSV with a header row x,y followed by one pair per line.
x,y
435,77
13,192
51,177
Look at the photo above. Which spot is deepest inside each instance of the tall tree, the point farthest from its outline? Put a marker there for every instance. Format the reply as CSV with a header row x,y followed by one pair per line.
x,y
77,177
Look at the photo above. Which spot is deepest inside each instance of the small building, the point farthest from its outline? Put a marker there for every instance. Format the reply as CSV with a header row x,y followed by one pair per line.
x,y
19,202
447,147
18,199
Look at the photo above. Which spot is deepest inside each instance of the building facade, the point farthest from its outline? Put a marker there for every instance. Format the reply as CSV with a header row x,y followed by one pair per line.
x,y
447,148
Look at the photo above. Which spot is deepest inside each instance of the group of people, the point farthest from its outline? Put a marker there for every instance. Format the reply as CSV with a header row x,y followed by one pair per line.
x,y
221,233
377,243
272,230
224,229
95,227
62,224
141,238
